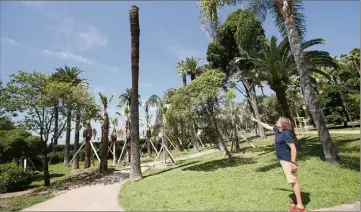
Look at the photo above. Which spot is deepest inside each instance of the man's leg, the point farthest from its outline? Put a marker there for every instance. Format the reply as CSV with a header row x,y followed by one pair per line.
x,y
297,189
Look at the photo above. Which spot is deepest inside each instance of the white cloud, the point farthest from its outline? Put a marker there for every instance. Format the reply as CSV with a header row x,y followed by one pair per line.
x,y
78,58
9,41
72,33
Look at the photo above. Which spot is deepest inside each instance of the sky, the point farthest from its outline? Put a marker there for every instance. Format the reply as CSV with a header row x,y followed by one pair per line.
x,y
95,37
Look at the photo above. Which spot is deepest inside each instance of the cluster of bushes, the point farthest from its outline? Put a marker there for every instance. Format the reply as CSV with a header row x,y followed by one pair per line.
x,y
15,145
13,178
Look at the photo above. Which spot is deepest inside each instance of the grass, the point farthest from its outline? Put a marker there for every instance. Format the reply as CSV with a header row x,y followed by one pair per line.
x,y
18,203
254,182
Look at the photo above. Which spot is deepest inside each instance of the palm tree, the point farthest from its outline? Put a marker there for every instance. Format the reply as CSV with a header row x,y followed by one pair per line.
x,y
290,21
105,133
134,33
69,75
147,131
276,66
189,66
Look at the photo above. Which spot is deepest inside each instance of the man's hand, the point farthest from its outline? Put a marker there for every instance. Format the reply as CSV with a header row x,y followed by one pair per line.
x,y
293,167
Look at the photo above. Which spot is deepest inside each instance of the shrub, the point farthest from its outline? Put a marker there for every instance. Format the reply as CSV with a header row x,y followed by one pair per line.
x,y
13,178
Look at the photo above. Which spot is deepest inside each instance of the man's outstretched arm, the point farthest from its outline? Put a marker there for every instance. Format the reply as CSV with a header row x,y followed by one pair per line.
x,y
267,126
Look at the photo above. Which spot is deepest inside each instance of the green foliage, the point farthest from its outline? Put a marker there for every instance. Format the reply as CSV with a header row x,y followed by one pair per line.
x,y
269,108
34,146
332,105
13,145
13,178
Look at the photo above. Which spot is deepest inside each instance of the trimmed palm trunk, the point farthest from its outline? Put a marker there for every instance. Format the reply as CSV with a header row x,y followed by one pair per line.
x,y
103,167
87,134
136,172
184,78
329,148
67,138
149,145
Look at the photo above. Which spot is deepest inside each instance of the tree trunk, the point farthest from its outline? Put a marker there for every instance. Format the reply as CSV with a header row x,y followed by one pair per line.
x,y
56,124
344,104
219,135
76,139
253,100
176,140
136,172
87,154
115,156
45,160
329,148
237,147
194,139
149,145
184,80
67,138
282,100
103,167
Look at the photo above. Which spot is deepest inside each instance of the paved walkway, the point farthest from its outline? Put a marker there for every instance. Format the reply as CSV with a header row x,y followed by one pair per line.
x,y
338,132
346,207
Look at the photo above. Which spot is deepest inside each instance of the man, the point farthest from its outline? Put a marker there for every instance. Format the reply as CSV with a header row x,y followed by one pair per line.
x,y
286,152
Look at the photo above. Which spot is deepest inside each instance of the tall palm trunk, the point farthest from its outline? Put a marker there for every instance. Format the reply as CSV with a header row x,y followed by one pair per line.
x,y
76,138
87,135
329,148
67,138
103,167
282,100
136,172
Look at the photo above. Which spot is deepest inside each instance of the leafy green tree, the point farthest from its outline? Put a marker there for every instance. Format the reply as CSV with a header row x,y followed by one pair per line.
x,y
26,92
201,92
239,36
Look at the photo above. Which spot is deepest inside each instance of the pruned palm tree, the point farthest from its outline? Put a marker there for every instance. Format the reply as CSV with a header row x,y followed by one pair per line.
x,y
113,139
88,132
103,167
72,76
290,21
136,172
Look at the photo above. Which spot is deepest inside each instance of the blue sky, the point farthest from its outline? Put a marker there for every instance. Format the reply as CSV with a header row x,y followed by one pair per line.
x,y
95,37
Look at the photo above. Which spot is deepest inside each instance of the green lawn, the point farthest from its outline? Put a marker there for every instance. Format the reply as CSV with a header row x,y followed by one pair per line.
x,y
254,182
18,203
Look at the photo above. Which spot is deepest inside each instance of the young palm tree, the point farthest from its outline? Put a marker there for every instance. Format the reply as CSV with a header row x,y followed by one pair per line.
x,y
290,21
136,172
105,133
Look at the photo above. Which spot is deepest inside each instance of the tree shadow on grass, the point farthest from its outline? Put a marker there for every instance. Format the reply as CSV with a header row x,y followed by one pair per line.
x,y
169,169
220,164
306,197
40,176
273,165
89,177
311,147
